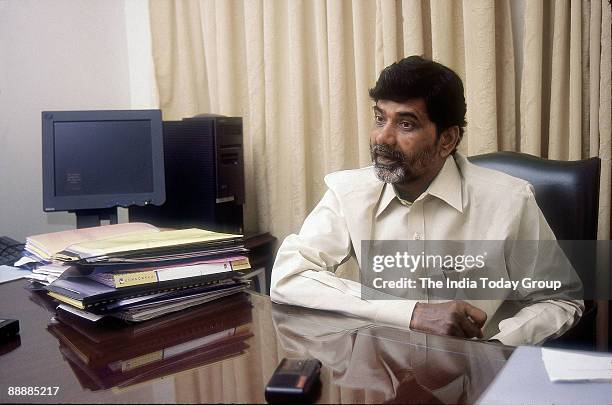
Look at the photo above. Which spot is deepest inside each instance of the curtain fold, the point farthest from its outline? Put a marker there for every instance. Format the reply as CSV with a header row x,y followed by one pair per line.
x,y
531,89
604,110
299,71
505,62
575,81
480,80
363,32
413,29
559,90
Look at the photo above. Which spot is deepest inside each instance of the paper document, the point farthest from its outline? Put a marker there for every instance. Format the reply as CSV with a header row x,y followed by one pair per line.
x,y
82,314
44,279
568,366
54,268
147,240
150,312
25,260
9,273
48,244
160,257
524,379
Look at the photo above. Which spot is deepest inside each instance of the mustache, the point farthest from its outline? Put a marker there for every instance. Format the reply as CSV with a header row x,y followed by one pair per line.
x,y
386,151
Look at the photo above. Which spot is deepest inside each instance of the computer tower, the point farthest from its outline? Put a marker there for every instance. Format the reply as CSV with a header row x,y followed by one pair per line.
x,y
204,168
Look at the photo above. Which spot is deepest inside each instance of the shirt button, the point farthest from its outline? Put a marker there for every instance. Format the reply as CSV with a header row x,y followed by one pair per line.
x,y
417,236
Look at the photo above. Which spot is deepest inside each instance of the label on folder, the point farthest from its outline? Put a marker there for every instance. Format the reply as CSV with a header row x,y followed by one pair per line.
x,y
161,274
128,280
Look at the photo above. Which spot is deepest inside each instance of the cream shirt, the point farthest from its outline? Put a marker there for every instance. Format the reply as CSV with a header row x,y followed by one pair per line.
x,y
464,202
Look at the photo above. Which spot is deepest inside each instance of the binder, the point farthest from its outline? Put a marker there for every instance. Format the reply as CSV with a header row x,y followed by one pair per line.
x,y
151,275
85,293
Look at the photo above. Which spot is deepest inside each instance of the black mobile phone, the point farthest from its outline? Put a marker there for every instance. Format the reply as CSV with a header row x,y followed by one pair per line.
x,y
294,380
9,328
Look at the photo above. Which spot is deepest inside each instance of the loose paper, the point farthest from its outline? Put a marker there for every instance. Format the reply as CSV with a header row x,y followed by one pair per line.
x,y
571,366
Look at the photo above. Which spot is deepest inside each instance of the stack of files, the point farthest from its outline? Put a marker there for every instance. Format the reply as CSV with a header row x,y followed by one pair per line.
x,y
40,250
136,305
141,276
154,247
113,355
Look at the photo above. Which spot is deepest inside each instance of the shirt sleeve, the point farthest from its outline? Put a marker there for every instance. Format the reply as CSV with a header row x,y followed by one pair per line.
x,y
541,318
304,270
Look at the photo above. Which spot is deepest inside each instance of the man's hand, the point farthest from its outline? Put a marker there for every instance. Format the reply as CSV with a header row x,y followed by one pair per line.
x,y
454,318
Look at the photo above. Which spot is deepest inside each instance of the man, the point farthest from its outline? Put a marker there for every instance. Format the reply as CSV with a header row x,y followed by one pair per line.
x,y
419,188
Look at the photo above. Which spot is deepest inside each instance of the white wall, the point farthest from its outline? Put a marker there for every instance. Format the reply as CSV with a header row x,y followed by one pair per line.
x,y
54,55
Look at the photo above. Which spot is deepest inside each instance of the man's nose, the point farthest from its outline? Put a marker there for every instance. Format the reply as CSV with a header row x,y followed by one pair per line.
x,y
386,135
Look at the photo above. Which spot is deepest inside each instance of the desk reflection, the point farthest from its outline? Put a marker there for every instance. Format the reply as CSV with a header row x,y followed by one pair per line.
x,y
116,355
380,364
226,352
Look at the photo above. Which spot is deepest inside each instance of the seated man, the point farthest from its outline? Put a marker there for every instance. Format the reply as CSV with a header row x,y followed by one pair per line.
x,y
419,188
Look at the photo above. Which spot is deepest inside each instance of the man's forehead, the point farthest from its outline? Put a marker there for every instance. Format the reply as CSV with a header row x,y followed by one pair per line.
x,y
412,106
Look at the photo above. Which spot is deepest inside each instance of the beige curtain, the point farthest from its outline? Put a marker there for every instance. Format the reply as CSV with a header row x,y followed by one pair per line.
x,y
536,73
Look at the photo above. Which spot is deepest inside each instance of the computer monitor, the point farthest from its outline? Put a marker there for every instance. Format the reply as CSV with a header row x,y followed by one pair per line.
x,y
96,161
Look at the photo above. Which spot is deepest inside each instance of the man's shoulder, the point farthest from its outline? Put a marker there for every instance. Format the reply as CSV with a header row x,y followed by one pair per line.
x,y
485,181
357,185
353,179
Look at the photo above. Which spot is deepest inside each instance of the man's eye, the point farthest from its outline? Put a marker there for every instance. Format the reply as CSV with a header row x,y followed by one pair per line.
x,y
379,119
407,125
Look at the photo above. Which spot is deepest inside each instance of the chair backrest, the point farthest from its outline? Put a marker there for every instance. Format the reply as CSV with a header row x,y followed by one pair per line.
x,y
567,192
568,195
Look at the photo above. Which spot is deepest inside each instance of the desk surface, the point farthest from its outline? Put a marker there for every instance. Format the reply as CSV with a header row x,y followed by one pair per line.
x,y
227,353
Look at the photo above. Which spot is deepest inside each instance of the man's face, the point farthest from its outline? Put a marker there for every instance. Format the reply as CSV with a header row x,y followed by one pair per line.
x,y
404,143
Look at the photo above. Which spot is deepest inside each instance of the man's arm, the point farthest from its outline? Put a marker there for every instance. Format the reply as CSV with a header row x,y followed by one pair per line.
x,y
540,318
304,270
303,275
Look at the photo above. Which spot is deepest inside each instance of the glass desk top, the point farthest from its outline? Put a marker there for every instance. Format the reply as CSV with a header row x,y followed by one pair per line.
x,y
226,352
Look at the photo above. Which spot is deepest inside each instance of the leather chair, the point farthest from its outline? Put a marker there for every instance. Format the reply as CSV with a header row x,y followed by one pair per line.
x,y
568,195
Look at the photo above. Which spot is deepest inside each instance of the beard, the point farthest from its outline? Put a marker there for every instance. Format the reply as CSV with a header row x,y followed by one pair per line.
x,y
397,167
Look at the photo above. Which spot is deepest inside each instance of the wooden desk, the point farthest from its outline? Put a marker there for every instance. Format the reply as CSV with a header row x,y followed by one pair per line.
x,y
228,353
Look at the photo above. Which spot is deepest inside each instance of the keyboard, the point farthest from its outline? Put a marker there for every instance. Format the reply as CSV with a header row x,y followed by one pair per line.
x,y
10,250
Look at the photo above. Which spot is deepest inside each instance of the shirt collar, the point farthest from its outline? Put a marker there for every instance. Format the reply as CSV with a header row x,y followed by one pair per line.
x,y
446,186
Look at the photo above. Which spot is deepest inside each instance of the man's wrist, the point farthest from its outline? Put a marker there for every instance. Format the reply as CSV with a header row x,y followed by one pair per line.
x,y
393,312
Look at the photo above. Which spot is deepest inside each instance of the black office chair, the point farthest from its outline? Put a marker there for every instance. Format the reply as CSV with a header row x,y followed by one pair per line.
x,y
568,195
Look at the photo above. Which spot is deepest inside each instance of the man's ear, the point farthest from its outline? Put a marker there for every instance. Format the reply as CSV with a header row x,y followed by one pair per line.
x,y
448,140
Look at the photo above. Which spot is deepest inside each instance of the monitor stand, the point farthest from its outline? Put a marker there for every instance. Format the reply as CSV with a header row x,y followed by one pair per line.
x,y
91,218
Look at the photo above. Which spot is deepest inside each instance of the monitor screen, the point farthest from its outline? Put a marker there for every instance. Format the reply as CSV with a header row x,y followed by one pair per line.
x,y
102,159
